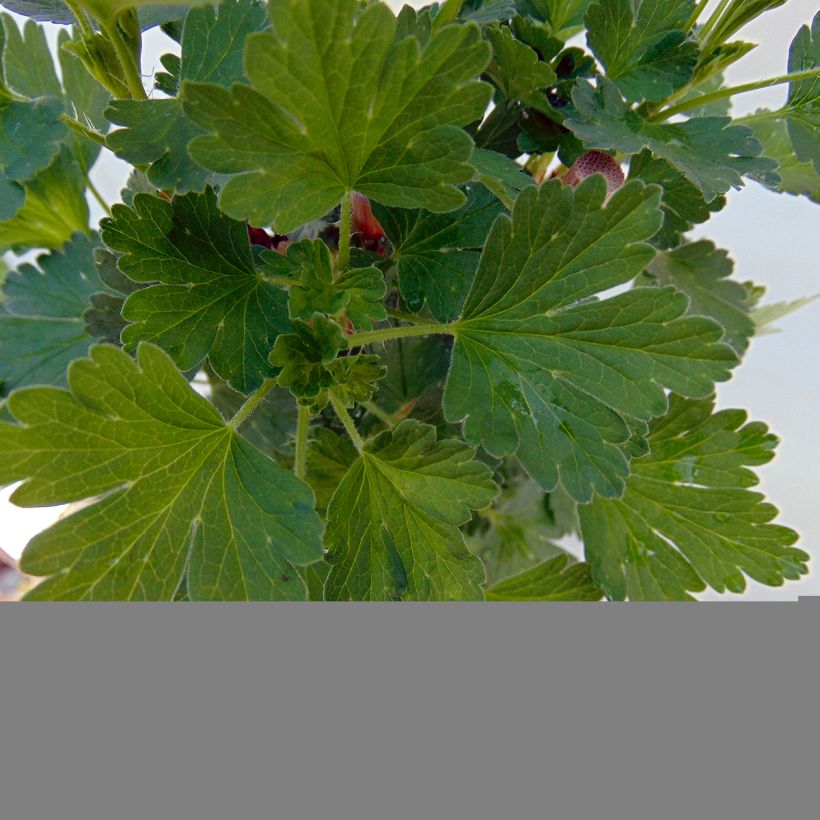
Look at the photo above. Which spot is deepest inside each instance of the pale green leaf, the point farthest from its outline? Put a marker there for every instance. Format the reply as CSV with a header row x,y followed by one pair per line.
x,y
392,529
181,492
803,104
702,272
795,177
543,370
336,104
688,517
554,580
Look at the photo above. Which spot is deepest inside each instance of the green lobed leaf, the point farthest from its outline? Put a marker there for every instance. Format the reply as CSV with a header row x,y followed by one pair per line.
x,y
522,528
329,457
803,103
487,11
56,11
643,45
53,207
182,493
562,15
543,370
337,104
209,300
554,580
501,175
437,254
710,152
682,202
315,289
41,324
392,530
27,61
795,177
157,132
688,517
517,70
702,272
30,136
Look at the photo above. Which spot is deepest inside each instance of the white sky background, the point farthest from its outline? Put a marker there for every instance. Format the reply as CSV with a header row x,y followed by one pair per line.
x,y
770,238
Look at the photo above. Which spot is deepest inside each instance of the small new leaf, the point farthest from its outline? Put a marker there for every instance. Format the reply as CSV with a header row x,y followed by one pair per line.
x,y
358,291
209,300
336,104
181,494
542,369
688,517
392,529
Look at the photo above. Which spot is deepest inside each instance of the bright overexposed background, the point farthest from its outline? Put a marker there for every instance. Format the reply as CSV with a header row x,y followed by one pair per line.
x,y
769,236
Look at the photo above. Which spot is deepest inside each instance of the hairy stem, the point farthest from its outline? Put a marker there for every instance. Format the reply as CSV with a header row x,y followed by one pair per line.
x,y
347,422
404,316
730,91
343,259
388,418
251,403
300,451
383,334
129,65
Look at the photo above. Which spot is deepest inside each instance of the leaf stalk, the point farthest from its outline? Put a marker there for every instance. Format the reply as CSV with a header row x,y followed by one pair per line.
x,y
347,422
384,334
300,451
251,403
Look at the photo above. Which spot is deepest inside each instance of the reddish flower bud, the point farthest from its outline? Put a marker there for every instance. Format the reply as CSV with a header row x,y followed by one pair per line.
x,y
364,223
595,162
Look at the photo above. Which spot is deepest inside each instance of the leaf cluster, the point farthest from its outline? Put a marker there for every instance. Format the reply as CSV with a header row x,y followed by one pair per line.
x,y
369,322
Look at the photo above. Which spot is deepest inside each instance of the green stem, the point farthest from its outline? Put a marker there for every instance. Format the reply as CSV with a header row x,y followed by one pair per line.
x,y
129,66
343,259
282,281
76,125
380,414
730,91
300,452
696,14
368,337
710,24
403,316
347,422
97,195
251,403
85,26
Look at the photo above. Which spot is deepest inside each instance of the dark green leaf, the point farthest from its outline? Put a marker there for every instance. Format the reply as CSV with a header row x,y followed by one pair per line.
x,y
157,132
542,369
553,580
329,457
41,325
562,15
803,104
517,70
501,175
437,254
710,152
643,45
30,136
210,301
392,529
796,177
335,105
682,202
181,491
687,516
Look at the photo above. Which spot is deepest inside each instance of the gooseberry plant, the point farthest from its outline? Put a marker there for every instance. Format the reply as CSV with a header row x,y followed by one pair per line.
x,y
392,304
